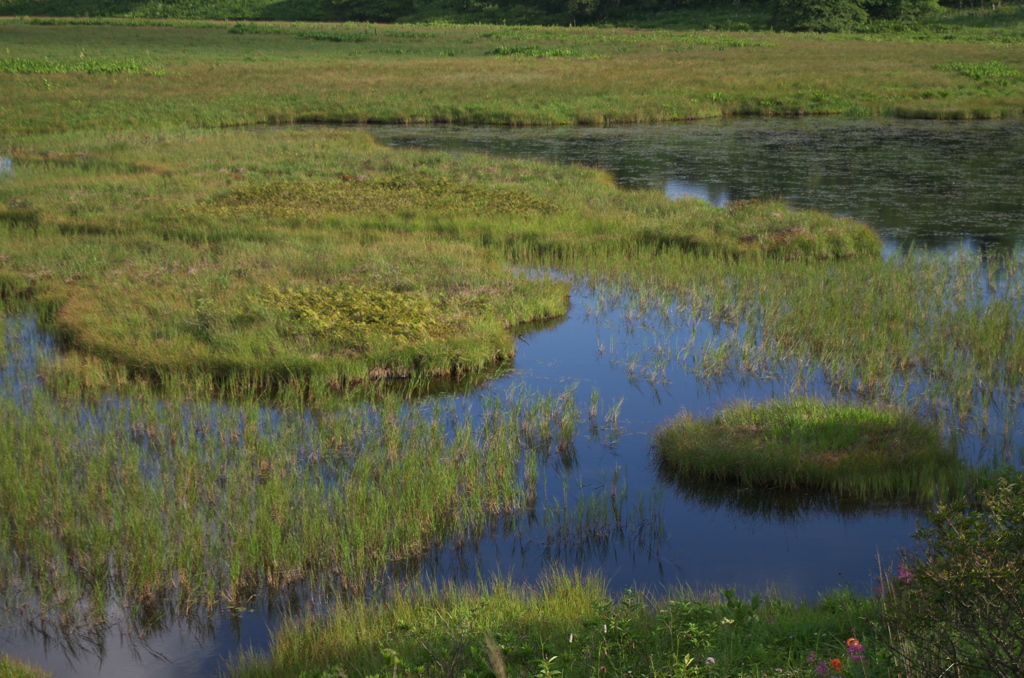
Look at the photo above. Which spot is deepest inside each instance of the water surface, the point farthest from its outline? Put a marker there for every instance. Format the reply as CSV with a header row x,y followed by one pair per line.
x,y
935,184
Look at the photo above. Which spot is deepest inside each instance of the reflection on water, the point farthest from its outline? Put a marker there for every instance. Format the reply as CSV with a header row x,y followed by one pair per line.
x,y
676,188
936,184
777,505
604,503
599,507
6,166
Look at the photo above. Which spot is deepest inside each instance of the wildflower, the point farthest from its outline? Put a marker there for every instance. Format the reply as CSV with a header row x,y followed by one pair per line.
x,y
851,641
821,668
836,665
709,661
812,657
904,574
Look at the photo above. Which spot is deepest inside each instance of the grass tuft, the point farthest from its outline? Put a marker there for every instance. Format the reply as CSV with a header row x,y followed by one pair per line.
x,y
864,452
11,668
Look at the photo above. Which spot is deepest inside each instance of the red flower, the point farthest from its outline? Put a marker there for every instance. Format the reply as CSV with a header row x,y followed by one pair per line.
x,y
836,665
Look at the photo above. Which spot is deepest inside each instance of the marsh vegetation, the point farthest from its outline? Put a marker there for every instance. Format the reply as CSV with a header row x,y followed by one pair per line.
x,y
485,74
215,340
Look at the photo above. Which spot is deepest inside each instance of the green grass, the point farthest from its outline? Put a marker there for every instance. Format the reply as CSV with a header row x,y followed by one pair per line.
x,y
240,257
195,505
25,66
10,668
863,452
570,626
933,333
252,73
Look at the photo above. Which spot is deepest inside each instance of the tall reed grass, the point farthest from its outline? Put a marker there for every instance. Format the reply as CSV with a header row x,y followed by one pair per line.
x,y
934,333
176,504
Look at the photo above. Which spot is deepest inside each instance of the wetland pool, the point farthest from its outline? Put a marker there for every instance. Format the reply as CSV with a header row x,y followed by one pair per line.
x,y
940,185
943,186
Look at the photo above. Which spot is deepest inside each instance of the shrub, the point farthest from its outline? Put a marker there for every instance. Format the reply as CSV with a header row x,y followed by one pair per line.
x,y
821,16
958,607
900,10
837,16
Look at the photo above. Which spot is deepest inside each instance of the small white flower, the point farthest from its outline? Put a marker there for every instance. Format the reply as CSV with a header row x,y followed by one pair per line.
x,y
709,661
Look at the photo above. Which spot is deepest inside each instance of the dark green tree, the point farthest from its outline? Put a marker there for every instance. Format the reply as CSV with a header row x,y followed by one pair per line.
x,y
821,16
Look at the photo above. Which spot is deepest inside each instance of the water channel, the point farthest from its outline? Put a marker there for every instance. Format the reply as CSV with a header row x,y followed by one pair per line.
x,y
945,186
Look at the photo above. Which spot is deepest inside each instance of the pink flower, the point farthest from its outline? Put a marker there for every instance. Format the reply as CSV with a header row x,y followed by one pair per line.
x,y
904,574
812,657
821,668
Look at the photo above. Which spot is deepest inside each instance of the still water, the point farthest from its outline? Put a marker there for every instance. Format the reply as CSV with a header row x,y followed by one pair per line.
x,y
939,185
936,184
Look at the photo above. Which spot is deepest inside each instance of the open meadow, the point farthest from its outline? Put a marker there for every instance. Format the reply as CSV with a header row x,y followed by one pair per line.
x,y
97,74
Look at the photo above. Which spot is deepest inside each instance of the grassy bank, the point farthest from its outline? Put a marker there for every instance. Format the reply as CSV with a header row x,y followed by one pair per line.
x,y
953,603
257,260
867,453
238,74
568,626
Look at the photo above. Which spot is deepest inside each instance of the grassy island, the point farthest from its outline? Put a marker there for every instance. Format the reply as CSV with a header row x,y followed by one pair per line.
x,y
248,261
863,452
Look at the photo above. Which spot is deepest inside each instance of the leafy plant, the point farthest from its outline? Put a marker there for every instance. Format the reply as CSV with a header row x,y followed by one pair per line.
x,y
90,66
352,315
820,16
958,606
991,72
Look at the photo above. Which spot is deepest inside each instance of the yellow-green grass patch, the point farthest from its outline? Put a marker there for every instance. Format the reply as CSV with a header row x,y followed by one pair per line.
x,y
11,668
269,256
450,75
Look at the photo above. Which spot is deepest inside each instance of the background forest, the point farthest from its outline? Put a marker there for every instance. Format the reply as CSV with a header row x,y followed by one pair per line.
x,y
781,15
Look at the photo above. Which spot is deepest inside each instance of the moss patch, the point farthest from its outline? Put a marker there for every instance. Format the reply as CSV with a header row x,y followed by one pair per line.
x,y
353,315
385,195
